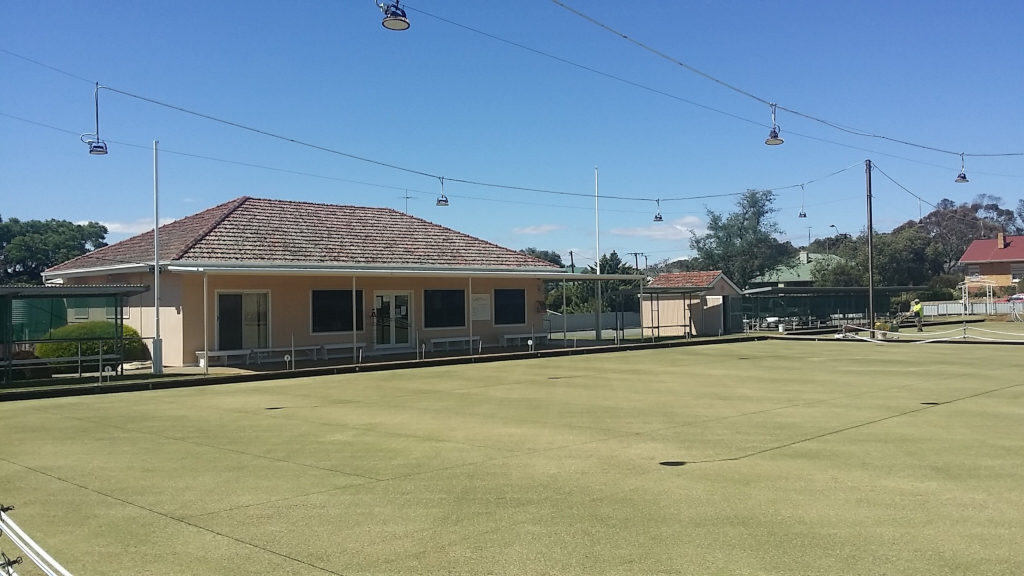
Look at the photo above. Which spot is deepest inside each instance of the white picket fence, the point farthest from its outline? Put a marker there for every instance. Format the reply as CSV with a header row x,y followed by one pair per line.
x,y
956,308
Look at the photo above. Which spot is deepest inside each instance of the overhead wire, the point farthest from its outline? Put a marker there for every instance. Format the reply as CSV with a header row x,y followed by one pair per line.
x,y
686,100
948,213
757,98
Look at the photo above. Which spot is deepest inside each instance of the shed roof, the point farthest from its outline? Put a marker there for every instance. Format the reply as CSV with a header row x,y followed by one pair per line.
x,y
251,231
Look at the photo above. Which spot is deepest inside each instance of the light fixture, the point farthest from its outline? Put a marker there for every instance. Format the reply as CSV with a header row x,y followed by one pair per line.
x,y
802,213
657,216
394,16
962,177
442,200
773,136
97,147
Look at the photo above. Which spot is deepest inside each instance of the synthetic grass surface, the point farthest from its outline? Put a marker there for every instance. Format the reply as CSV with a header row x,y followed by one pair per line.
x,y
801,458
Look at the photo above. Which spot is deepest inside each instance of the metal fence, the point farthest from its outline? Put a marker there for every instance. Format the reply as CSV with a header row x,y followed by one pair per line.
x,y
957,308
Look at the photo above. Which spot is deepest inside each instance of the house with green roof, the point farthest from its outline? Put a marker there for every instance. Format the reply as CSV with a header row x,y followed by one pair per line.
x,y
795,274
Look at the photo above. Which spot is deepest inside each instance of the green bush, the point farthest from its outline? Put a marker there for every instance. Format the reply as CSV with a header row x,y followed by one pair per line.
x,y
89,335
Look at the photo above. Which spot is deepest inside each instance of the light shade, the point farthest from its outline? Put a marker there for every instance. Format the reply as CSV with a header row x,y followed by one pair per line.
x,y
658,218
962,178
394,17
802,214
773,138
442,200
97,147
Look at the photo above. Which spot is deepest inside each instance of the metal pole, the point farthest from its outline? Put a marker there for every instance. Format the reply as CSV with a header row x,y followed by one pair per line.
x,y
470,316
871,255
158,356
206,324
564,312
355,338
597,258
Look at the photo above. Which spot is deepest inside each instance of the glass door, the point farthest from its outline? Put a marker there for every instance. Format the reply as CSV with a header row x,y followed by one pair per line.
x,y
391,314
243,321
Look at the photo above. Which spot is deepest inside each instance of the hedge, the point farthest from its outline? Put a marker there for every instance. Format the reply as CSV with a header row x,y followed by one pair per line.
x,y
89,335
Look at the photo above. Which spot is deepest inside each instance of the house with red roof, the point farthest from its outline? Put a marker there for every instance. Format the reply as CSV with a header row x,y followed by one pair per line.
x,y
253,279
698,303
1000,259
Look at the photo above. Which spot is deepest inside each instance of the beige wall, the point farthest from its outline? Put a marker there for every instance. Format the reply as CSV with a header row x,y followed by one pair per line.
x,y
998,272
290,309
181,311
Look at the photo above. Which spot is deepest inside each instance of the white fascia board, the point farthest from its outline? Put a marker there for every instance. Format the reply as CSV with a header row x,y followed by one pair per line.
x,y
234,268
77,273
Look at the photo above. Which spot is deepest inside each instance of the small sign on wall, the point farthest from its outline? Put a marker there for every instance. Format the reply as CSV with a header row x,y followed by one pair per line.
x,y
480,307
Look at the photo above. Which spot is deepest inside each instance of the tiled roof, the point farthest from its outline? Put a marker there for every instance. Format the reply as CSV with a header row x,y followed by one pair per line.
x,y
697,279
986,251
253,230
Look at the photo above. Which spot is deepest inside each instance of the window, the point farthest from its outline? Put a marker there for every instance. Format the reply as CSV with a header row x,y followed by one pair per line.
x,y
444,308
974,269
1017,271
332,310
509,306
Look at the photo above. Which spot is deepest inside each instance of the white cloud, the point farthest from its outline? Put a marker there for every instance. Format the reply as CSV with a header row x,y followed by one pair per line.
x,y
678,229
132,228
537,230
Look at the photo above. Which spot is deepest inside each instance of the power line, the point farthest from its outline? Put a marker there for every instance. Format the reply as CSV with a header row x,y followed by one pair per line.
x,y
949,213
457,180
752,96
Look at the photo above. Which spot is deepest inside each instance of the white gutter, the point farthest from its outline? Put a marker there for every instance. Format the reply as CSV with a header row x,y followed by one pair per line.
x,y
393,272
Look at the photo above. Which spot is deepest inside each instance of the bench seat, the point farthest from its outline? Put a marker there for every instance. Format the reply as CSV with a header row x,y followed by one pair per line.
x,y
522,339
327,348
224,355
462,341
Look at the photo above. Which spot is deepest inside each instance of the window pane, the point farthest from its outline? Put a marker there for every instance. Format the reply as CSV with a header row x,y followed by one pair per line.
x,y
509,307
444,308
332,310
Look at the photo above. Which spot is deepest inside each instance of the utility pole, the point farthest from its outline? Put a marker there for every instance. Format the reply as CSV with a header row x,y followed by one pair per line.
x,y
572,262
636,259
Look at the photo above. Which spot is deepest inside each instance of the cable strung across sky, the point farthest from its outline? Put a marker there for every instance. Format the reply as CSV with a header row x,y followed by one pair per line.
x,y
766,102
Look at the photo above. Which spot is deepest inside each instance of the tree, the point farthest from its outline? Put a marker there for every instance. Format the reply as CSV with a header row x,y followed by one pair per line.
x,y
27,248
546,255
615,295
743,244
581,297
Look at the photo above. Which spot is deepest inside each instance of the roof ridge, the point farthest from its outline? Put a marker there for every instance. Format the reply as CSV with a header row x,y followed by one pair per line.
x,y
232,206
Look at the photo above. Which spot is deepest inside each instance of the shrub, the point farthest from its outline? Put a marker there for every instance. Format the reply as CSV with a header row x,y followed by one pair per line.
x,y
90,334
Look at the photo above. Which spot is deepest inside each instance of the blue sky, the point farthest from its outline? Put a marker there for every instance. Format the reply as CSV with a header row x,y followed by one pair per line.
x,y
523,95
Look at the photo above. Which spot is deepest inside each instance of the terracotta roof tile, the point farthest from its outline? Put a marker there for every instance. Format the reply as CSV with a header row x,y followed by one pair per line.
x,y
254,230
696,279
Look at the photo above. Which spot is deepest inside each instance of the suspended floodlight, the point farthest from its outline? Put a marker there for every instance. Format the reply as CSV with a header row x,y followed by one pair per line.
x,y
442,200
97,147
657,215
773,136
394,16
962,177
802,213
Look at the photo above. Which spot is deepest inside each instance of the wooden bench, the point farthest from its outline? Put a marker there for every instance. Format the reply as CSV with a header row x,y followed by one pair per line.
x,y
224,355
327,348
462,341
261,354
522,339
